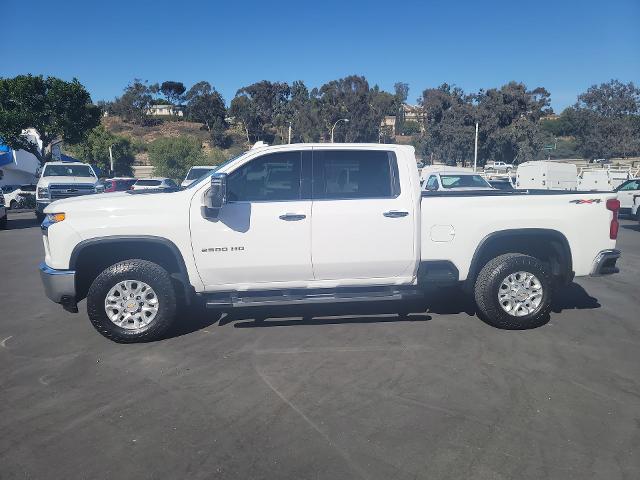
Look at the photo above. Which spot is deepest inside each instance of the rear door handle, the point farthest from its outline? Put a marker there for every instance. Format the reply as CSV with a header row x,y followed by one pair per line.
x,y
292,217
395,214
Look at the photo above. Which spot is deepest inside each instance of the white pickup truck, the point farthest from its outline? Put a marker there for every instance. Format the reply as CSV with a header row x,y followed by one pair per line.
x,y
63,180
313,223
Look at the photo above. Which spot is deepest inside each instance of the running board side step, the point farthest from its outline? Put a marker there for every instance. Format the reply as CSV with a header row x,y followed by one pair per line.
x,y
301,297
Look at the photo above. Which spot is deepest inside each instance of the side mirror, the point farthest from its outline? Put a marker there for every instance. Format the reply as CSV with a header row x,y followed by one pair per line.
x,y
217,195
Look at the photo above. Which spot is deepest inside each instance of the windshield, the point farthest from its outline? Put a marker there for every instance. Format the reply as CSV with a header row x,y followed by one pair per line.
x,y
463,181
212,171
67,171
197,172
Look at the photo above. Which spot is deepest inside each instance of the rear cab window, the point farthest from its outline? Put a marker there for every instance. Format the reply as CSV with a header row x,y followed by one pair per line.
x,y
354,174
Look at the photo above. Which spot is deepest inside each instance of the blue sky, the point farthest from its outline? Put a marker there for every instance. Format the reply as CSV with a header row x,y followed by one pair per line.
x,y
565,46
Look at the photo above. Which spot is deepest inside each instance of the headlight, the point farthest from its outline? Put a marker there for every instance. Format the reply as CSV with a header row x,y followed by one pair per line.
x,y
56,217
43,192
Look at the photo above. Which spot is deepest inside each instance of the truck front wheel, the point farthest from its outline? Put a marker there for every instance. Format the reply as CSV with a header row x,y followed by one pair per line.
x,y
132,301
514,292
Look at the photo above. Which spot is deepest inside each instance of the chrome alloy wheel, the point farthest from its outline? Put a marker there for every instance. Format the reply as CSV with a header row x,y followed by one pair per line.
x,y
520,294
131,304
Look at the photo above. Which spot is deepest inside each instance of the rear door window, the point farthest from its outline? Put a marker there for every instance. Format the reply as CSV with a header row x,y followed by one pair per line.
x,y
352,174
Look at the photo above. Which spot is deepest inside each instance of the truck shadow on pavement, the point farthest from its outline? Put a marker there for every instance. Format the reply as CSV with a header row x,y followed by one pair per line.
x,y
21,222
449,301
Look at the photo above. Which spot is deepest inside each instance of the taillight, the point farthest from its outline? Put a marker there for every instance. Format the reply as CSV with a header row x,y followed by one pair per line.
x,y
613,204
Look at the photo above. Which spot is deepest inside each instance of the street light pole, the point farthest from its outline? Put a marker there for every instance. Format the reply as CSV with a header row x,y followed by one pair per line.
x,y
111,158
289,131
345,120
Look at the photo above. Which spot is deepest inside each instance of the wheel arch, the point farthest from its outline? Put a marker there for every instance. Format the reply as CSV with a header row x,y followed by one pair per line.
x,y
91,256
545,244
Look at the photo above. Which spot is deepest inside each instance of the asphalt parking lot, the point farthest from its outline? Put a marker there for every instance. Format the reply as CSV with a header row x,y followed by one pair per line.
x,y
338,393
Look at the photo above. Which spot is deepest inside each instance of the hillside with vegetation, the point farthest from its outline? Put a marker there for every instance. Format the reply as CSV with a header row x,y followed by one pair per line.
x,y
515,123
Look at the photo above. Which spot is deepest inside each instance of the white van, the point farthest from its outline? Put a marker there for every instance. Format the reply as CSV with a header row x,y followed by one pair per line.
x,y
544,175
602,179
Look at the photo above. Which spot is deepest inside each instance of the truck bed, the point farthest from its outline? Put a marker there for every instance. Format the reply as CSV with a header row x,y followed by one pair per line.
x,y
455,224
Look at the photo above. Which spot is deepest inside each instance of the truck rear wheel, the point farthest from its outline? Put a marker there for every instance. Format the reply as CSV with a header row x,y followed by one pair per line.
x,y
132,301
514,291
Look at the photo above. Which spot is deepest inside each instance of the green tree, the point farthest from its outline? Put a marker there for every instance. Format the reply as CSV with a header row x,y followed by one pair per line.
x,y
133,105
263,106
304,114
173,91
449,124
173,156
509,119
606,120
560,126
95,150
401,94
351,98
205,105
54,107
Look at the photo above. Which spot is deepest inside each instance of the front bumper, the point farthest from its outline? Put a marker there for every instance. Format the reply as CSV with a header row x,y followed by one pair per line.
x,y
605,263
59,286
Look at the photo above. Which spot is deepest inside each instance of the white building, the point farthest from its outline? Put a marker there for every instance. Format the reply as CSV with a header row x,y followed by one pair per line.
x,y
165,110
19,167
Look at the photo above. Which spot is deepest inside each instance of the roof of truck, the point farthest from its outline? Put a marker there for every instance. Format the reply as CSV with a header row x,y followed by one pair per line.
x,y
298,146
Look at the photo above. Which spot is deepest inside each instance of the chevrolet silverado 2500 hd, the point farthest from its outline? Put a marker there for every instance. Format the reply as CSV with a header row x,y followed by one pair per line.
x,y
314,223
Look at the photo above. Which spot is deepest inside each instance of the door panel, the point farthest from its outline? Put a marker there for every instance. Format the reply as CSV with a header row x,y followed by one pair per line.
x,y
363,226
263,233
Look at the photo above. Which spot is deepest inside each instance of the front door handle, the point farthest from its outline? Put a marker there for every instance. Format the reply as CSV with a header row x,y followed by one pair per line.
x,y
292,217
395,214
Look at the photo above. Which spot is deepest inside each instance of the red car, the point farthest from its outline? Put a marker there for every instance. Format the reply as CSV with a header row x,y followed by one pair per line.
x,y
118,184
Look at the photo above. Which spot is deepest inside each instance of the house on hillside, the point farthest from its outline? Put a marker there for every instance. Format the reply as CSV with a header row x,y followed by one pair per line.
x,y
166,111
412,113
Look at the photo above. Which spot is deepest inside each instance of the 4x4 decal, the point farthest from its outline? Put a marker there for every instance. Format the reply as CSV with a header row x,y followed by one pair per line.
x,y
587,201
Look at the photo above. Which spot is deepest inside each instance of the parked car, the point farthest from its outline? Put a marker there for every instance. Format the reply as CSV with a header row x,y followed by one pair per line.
x,y
601,161
501,184
336,223
627,193
3,212
59,180
544,175
118,184
154,183
499,166
455,179
13,194
195,173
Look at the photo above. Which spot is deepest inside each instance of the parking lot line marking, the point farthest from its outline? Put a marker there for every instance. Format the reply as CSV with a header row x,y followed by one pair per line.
x,y
312,424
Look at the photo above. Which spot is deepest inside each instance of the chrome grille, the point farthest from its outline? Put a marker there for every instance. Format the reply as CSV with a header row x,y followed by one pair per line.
x,y
71,190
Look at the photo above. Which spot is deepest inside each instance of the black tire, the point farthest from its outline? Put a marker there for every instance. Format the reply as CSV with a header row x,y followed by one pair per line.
x,y
488,284
148,272
3,223
40,217
13,205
